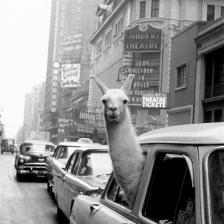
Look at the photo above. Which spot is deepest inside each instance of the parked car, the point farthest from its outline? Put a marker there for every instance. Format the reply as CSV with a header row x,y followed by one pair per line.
x,y
7,145
60,158
31,158
87,170
182,181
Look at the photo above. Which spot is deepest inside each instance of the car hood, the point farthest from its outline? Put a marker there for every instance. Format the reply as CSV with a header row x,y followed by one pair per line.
x,y
94,181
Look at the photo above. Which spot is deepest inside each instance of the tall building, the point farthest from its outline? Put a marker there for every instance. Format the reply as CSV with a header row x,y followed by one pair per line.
x,y
135,37
33,114
69,52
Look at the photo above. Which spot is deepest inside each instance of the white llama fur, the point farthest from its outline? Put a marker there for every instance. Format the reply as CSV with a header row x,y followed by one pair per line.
x,y
125,151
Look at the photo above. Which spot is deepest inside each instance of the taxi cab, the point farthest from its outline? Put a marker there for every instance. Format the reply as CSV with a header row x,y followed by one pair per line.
x,y
182,181
87,171
60,157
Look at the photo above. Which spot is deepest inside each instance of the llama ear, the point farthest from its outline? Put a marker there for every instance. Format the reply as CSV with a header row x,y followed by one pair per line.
x,y
127,85
100,84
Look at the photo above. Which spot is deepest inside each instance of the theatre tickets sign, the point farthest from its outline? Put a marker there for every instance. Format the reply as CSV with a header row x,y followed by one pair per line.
x,y
142,38
155,100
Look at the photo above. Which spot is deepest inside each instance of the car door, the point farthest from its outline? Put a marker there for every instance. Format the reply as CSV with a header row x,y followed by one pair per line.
x,y
58,170
112,208
67,188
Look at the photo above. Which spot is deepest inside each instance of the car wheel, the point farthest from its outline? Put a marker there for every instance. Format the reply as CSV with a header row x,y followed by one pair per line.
x,y
48,187
18,176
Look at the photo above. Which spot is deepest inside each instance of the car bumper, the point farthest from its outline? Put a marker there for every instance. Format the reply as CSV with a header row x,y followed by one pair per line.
x,y
34,169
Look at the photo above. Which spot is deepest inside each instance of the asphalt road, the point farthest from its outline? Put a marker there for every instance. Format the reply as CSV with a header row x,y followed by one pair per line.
x,y
26,201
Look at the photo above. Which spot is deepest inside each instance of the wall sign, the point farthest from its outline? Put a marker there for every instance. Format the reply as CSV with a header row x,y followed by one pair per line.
x,y
142,39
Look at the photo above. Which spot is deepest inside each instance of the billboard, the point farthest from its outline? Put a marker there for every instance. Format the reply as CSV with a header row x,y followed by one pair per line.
x,y
70,75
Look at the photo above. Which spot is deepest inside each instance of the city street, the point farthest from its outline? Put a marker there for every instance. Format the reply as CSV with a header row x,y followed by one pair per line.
x,y
26,201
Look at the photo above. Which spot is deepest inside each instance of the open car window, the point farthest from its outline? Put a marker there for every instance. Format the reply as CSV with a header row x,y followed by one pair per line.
x,y
116,194
171,193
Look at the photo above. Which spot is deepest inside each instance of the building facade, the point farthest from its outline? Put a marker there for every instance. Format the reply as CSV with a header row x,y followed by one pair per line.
x,y
196,85
72,23
135,37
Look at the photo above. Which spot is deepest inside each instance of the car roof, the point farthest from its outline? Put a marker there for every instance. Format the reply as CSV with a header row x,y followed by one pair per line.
x,y
194,134
78,144
37,142
93,147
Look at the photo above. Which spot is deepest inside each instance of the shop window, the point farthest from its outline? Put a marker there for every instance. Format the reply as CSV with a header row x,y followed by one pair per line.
x,y
155,8
218,115
181,77
171,193
210,13
208,116
142,9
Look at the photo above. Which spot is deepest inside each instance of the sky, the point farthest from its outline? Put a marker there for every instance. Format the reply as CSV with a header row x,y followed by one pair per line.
x,y
24,35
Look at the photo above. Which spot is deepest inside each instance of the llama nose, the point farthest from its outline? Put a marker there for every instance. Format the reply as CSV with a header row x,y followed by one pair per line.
x,y
113,109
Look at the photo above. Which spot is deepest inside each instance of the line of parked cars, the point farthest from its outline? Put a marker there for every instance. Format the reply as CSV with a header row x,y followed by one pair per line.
x,y
74,168
182,180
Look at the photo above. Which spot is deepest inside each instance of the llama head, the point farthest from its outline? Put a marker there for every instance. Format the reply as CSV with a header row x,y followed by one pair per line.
x,y
114,100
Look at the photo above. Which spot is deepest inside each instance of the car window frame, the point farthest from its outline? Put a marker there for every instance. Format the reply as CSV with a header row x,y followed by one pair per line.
x,y
206,184
188,150
74,154
55,152
76,163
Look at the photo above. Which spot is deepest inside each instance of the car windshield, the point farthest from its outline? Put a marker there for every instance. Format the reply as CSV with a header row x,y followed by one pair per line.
x,y
216,184
35,148
96,163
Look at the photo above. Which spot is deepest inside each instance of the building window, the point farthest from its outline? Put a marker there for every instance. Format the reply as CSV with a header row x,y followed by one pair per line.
x,y
181,76
118,27
108,39
142,9
99,48
155,8
210,13
222,10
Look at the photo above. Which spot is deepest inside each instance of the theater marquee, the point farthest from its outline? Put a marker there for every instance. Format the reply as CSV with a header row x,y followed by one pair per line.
x,y
142,38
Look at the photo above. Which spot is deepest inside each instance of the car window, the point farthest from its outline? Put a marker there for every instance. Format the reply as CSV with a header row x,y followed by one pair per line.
x,y
216,185
34,148
62,152
171,194
76,164
95,163
116,194
71,162
56,151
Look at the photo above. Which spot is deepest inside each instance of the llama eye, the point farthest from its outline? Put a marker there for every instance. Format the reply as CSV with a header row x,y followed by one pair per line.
x,y
125,101
104,101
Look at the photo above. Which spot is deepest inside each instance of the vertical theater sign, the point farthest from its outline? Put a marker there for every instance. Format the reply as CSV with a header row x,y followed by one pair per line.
x,y
144,43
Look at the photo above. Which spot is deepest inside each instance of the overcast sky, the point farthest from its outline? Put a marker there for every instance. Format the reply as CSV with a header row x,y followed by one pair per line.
x,y
24,26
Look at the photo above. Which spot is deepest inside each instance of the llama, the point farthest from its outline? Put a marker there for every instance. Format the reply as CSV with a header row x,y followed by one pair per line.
x,y
125,152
